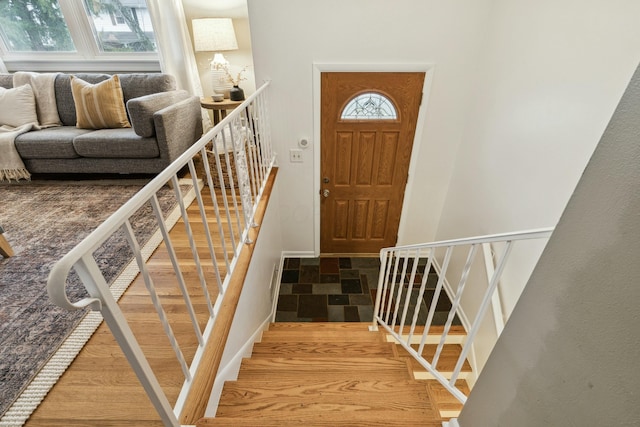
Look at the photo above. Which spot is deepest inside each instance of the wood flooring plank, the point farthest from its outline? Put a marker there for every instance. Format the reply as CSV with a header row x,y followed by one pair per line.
x,y
97,407
118,378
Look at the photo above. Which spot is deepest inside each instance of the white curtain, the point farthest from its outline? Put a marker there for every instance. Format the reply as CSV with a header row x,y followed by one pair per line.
x,y
174,47
3,68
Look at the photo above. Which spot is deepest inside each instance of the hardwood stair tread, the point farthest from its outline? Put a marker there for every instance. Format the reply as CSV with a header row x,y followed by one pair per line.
x,y
347,410
331,374
446,362
433,329
351,367
441,395
375,418
443,401
455,335
328,335
336,349
239,397
320,326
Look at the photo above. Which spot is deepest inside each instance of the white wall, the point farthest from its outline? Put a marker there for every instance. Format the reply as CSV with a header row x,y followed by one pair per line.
x,y
548,80
569,354
289,36
527,87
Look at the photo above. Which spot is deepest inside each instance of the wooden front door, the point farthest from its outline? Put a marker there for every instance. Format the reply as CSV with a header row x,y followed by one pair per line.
x,y
365,157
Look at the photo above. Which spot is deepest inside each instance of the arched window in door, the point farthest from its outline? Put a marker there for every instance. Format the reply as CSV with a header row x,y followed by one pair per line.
x,y
369,106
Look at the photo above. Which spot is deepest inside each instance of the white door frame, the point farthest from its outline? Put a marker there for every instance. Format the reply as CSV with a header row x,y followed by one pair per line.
x,y
318,69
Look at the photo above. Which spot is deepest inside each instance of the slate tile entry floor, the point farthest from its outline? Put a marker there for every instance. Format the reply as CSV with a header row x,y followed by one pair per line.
x,y
330,289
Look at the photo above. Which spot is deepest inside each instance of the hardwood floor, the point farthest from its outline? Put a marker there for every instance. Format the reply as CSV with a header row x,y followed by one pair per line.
x,y
100,388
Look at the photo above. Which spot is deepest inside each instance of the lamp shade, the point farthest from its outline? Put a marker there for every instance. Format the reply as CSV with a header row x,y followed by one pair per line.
x,y
213,35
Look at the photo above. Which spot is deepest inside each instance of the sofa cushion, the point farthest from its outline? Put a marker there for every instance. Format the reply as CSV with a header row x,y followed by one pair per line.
x,y
17,106
64,96
50,143
115,143
137,85
100,105
142,109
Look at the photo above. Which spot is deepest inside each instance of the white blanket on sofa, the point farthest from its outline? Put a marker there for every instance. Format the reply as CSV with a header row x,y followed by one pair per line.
x,y
34,108
43,86
11,165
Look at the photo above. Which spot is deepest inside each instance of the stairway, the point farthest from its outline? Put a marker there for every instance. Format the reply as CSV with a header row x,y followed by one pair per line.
x,y
321,374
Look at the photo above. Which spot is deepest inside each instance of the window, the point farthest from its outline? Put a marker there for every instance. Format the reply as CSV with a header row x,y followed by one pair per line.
x,y
121,25
62,32
34,27
369,106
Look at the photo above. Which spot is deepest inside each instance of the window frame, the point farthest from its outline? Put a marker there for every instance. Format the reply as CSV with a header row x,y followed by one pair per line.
x,y
87,56
365,93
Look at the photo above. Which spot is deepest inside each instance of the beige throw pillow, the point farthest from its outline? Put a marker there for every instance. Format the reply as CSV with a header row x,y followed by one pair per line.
x,y
100,105
17,106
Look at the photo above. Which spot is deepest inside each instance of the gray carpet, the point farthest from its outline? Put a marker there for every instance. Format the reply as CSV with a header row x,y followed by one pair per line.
x,y
43,221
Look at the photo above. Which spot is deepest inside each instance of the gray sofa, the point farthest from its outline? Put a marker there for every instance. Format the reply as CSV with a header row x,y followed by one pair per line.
x,y
165,122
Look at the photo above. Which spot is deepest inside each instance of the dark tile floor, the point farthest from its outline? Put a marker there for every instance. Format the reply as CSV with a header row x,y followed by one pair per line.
x,y
327,289
331,289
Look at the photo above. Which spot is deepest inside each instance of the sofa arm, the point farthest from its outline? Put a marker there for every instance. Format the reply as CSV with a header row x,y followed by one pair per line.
x,y
142,109
177,127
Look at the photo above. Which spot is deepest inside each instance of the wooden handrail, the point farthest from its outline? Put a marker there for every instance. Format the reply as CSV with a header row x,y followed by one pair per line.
x,y
198,397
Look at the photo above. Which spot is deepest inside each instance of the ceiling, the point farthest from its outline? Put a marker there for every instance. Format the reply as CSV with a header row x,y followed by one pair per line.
x,y
215,8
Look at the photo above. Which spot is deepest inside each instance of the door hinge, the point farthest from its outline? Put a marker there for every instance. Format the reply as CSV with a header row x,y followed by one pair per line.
x,y
421,96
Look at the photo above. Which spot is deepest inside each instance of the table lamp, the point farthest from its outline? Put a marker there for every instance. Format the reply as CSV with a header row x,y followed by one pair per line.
x,y
216,35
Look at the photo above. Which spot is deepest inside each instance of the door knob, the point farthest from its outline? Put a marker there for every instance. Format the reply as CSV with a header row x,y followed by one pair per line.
x,y
325,193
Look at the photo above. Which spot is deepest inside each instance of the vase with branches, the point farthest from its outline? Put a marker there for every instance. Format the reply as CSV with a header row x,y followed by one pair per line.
x,y
235,81
236,94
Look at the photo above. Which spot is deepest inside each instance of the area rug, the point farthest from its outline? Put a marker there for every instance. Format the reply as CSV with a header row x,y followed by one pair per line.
x,y
43,221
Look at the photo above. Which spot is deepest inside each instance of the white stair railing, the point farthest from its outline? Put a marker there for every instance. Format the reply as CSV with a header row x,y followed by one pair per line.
x,y
400,306
234,159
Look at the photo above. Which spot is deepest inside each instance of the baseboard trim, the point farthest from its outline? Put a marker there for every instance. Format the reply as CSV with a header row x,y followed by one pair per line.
x,y
298,254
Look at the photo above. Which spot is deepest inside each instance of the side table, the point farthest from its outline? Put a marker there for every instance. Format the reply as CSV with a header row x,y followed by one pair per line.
x,y
5,247
219,108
